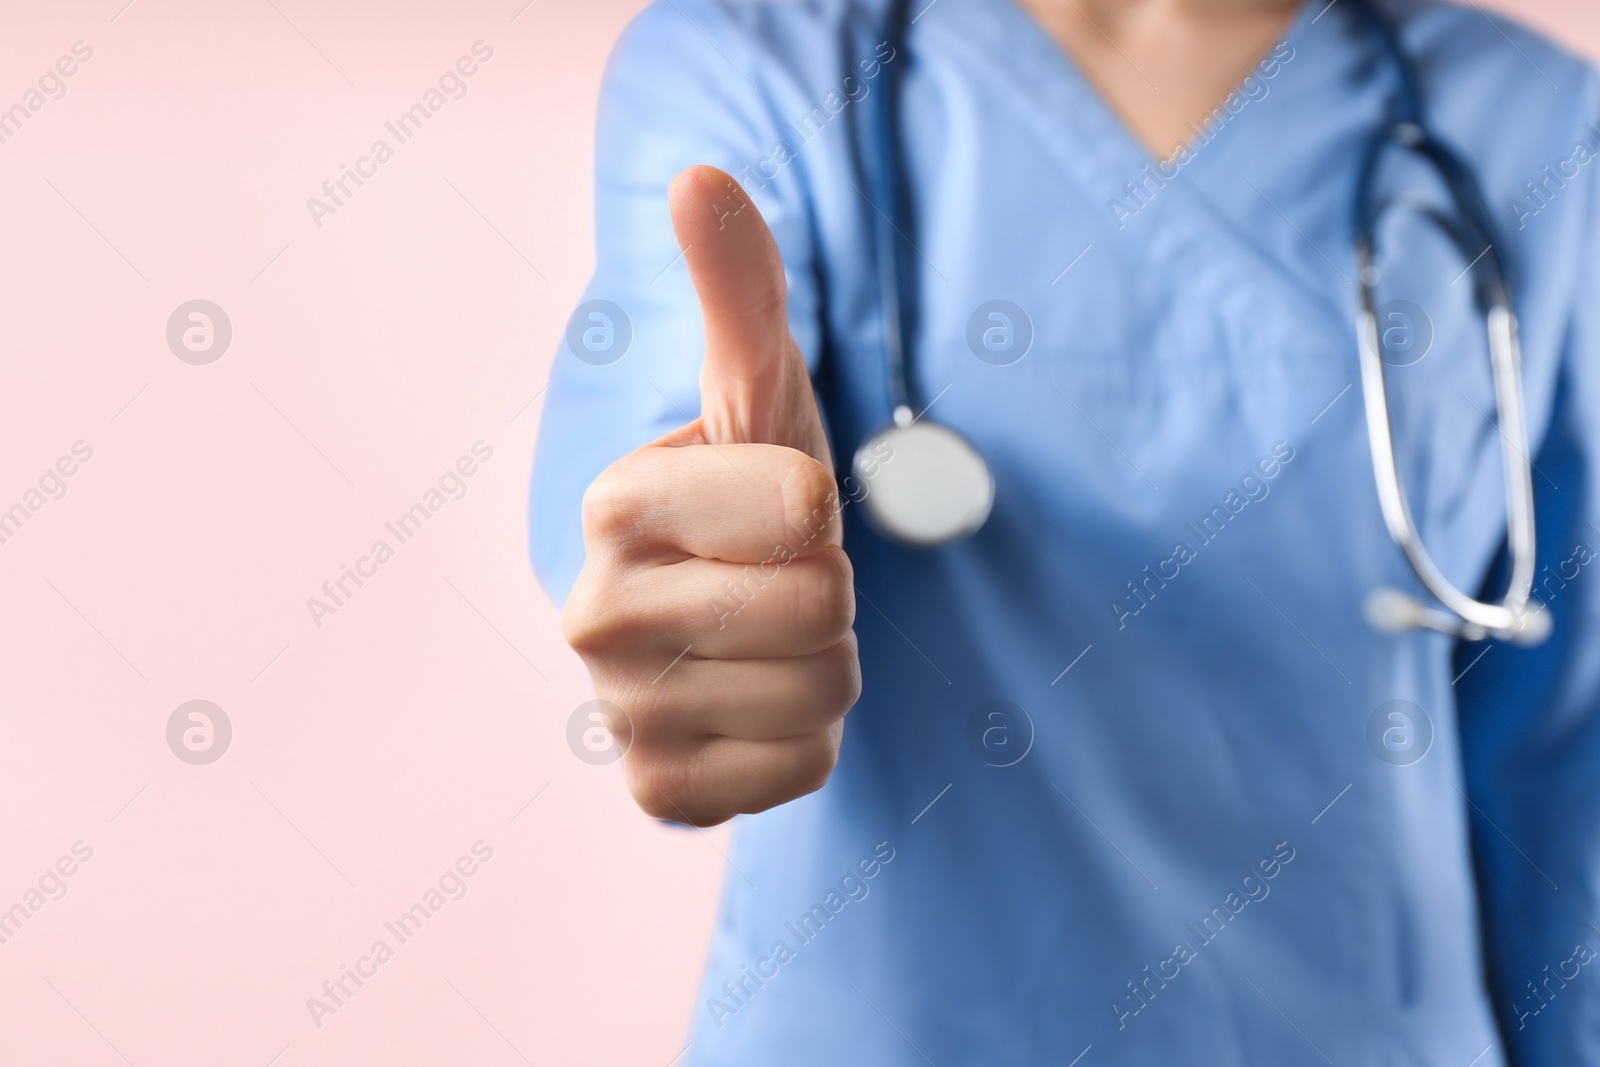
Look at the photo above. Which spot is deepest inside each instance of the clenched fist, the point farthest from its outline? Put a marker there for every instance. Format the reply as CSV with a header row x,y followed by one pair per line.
x,y
715,603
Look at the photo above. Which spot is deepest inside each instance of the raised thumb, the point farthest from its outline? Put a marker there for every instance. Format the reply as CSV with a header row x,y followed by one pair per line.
x,y
754,386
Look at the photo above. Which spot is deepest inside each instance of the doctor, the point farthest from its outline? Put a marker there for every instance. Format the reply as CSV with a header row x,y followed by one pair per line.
x,y
1127,775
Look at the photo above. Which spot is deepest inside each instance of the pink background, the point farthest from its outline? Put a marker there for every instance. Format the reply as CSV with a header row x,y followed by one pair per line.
x,y
372,752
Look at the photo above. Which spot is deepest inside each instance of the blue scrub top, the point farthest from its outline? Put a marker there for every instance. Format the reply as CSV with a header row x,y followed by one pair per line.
x,y
1131,778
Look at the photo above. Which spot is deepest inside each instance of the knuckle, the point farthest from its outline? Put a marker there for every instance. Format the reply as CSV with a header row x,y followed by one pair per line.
x,y
607,617
814,758
589,621
578,618
827,596
842,677
650,798
768,304
610,505
810,498
619,718
644,784
664,788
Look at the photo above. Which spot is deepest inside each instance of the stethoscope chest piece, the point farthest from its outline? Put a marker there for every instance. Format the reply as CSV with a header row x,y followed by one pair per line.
x,y
923,484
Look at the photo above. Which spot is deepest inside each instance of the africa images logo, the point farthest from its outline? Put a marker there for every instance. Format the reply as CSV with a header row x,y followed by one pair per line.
x,y
1399,732
1253,888
852,887
199,732
452,884
451,85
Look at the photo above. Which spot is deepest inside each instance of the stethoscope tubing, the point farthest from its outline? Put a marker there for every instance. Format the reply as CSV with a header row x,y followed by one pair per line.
x,y
1475,235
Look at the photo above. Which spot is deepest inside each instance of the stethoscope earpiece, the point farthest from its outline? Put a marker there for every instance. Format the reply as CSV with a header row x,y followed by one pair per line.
x,y
1391,611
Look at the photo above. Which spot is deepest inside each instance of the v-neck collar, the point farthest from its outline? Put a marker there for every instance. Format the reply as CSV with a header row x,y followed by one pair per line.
x,y
1045,87
1014,29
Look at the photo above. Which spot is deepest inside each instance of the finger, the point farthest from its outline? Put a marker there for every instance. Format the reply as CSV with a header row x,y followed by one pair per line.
x,y
793,609
737,271
731,611
739,503
754,386
708,782
753,699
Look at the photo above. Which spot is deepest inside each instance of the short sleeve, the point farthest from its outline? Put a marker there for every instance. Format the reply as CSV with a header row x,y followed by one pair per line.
x,y
688,83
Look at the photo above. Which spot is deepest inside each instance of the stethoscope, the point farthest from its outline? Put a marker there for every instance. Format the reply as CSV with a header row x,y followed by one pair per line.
x,y
926,485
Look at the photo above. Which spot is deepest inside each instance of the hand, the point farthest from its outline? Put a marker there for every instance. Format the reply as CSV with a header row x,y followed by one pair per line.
x,y
721,543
